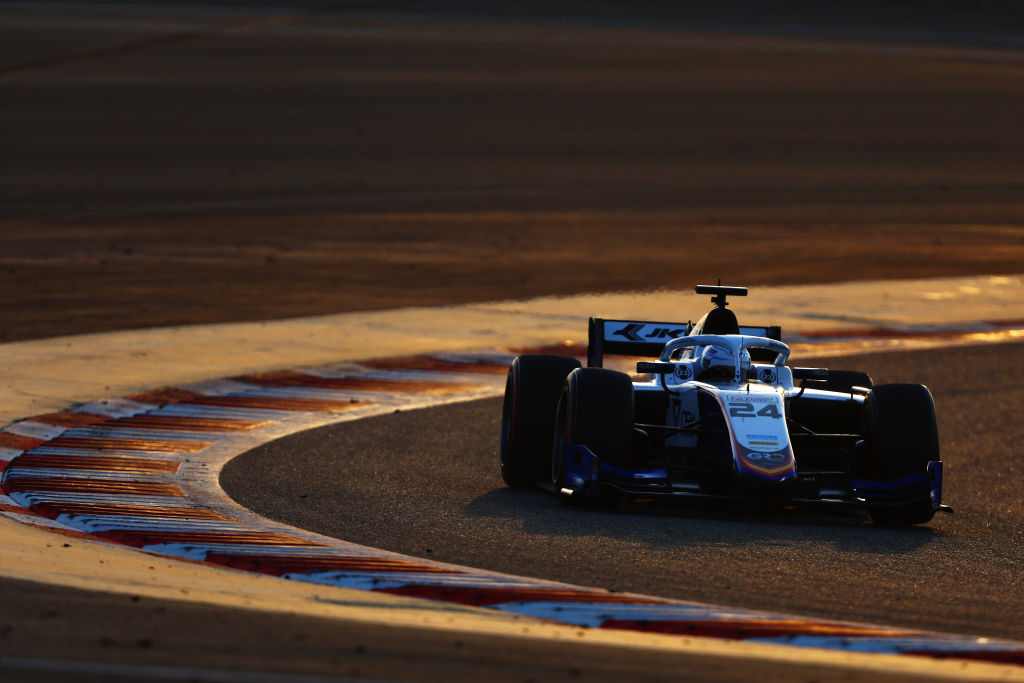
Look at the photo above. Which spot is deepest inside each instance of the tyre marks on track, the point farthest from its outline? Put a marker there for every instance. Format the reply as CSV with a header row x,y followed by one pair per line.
x,y
122,471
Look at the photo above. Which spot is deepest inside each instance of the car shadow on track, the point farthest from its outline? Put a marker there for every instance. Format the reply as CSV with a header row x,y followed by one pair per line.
x,y
700,524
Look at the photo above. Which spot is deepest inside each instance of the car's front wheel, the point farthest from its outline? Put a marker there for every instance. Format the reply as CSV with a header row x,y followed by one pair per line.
x,y
900,439
596,411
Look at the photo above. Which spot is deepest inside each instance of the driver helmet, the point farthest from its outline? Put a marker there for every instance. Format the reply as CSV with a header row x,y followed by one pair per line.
x,y
718,364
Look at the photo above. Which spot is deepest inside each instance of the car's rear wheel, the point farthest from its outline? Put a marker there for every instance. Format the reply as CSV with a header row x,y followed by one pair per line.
x,y
528,416
901,438
596,411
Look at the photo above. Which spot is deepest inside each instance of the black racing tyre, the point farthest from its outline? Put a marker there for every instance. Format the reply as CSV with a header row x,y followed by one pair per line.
x,y
841,380
900,438
595,410
528,416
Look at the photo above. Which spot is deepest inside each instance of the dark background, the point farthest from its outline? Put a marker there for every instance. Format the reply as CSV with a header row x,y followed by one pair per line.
x,y
180,163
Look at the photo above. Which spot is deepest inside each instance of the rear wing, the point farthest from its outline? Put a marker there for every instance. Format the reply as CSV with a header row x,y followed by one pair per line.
x,y
647,338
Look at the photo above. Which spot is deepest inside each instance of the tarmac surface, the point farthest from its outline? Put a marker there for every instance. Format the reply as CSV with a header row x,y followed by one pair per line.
x,y
427,483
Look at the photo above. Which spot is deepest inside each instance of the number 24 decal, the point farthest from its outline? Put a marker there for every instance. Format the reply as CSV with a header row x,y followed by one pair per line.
x,y
747,410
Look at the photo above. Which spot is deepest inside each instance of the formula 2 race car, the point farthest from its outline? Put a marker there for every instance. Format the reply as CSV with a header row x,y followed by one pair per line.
x,y
718,415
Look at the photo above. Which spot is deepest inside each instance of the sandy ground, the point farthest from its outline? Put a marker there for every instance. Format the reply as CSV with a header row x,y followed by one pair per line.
x,y
207,168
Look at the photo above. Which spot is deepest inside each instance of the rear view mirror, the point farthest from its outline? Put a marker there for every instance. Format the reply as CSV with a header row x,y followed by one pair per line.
x,y
655,368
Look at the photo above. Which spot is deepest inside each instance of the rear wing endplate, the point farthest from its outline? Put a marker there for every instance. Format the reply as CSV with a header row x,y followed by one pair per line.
x,y
645,337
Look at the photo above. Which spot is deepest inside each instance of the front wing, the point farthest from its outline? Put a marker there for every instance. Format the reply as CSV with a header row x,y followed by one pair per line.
x,y
586,477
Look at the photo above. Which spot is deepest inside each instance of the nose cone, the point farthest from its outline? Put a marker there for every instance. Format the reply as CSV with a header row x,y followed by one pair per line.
x,y
752,486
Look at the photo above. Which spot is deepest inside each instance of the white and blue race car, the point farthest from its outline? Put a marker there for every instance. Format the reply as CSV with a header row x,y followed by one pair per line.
x,y
720,415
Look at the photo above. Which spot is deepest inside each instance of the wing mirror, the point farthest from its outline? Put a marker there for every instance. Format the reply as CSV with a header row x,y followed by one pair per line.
x,y
810,373
655,368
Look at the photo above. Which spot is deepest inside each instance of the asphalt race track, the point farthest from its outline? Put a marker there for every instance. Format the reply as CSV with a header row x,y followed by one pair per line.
x,y
426,483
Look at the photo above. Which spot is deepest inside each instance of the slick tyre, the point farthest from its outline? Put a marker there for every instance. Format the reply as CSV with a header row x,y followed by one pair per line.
x,y
528,416
901,438
596,411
